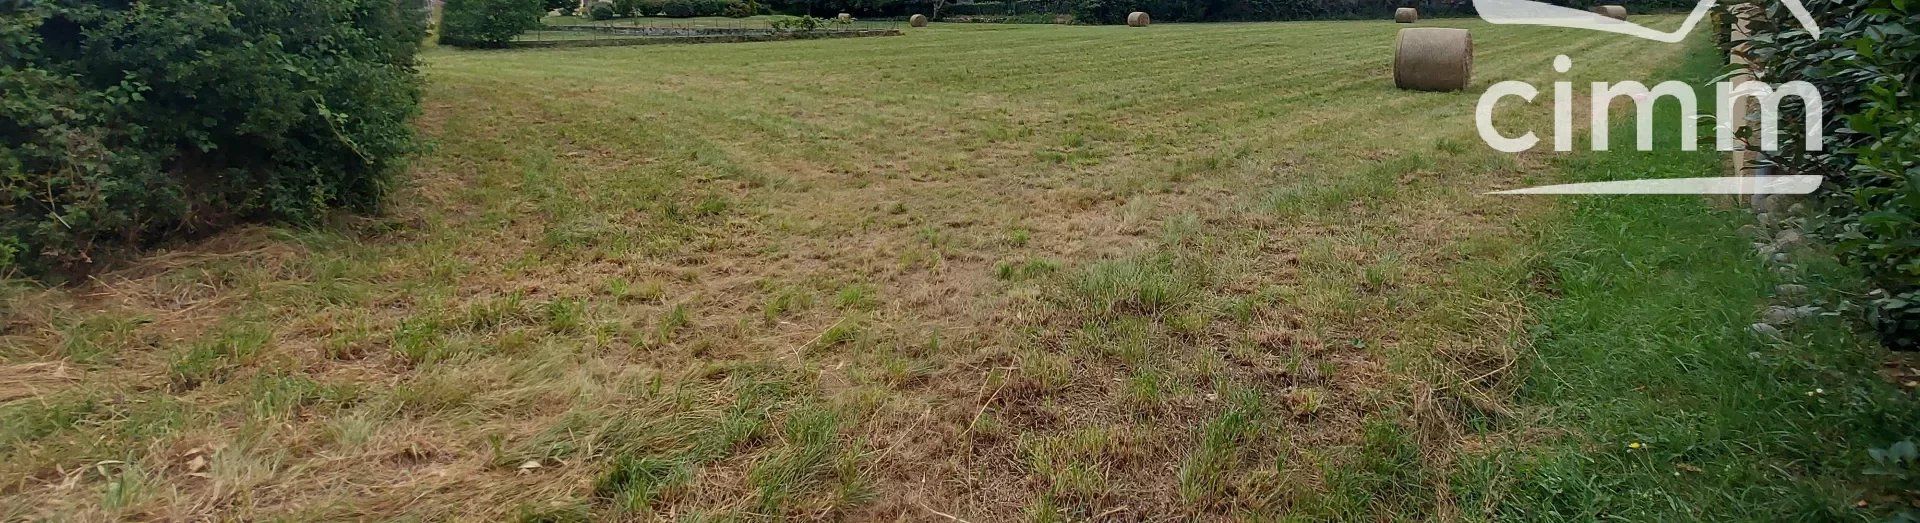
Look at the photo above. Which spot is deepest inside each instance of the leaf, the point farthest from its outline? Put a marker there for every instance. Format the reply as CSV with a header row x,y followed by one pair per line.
x,y
1904,451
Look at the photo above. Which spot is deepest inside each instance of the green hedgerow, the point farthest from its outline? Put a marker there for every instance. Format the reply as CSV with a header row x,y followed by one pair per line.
x,y
125,123
1865,63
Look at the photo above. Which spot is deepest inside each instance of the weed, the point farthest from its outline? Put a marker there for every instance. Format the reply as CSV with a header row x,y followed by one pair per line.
x,y
564,513
1148,285
1203,476
566,315
1147,389
645,291
1074,466
810,449
632,484
1024,270
709,206
858,296
487,315
1130,340
671,321
1018,237
96,338
1046,371
785,299
421,340
1386,477
213,359
847,330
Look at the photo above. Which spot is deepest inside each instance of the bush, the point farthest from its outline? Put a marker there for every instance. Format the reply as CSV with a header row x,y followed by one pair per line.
x,y
488,23
994,8
602,11
647,7
859,8
563,6
1866,63
796,24
125,123
742,9
691,8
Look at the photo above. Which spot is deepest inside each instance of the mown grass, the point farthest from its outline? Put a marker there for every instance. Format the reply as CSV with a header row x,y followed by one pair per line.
x,y
1649,398
994,272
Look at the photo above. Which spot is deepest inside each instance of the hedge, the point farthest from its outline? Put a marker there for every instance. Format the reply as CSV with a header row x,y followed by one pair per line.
x,y
124,123
1005,8
1866,63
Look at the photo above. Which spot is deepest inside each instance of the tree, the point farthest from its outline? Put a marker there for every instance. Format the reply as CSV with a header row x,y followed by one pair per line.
x,y
488,23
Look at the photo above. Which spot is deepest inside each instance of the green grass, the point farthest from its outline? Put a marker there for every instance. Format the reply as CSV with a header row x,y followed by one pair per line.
x,y
1650,397
1196,271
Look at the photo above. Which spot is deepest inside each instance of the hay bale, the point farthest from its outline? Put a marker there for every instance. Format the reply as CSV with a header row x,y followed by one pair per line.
x,y
1433,59
917,21
1406,15
845,17
1616,12
1138,19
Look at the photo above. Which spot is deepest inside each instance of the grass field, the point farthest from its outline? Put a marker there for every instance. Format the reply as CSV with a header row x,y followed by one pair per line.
x,y
978,272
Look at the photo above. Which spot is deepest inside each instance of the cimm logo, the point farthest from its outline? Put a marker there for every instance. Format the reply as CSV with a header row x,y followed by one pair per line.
x,y
1729,97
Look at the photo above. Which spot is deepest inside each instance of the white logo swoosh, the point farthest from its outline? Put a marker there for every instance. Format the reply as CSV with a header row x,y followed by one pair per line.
x,y
1525,12
1794,184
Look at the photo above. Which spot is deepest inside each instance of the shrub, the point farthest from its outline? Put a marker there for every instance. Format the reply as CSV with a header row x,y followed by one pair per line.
x,y
999,8
563,6
742,9
488,23
690,8
796,24
124,123
1865,63
648,7
602,11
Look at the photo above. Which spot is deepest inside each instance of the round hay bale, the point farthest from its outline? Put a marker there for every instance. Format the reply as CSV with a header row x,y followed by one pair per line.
x,y
1433,59
1138,19
1406,15
1616,12
845,17
917,21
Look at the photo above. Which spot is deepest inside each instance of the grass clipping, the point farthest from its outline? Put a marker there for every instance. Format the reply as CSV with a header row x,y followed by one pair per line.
x,y
917,21
1616,12
1406,15
1433,59
1138,19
